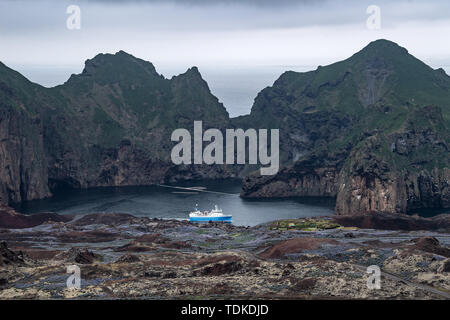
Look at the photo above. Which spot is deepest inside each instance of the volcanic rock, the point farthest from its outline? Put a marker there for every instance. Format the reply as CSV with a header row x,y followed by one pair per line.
x,y
78,255
9,257
295,245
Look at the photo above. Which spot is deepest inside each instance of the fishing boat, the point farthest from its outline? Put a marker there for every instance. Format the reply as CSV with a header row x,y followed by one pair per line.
x,y
215,215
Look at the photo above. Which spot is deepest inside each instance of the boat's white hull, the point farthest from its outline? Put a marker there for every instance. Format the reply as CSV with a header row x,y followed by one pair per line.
x,y
221,218
214,215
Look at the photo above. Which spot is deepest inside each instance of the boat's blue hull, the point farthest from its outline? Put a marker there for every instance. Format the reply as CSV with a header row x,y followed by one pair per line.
x,y
213,219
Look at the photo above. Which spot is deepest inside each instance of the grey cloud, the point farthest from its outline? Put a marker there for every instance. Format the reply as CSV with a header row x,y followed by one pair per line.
x,y
155,15
166,26
261,3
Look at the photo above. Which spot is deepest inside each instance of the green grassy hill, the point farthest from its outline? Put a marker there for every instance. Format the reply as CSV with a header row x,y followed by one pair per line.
x,y
372,130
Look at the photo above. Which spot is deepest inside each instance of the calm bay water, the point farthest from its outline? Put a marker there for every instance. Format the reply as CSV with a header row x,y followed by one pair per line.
x,y
170,203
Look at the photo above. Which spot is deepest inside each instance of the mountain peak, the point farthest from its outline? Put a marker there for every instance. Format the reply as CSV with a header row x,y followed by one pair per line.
x,y
119,60
109,56
110,68
193,71
191,74
383,47
383,43
123,53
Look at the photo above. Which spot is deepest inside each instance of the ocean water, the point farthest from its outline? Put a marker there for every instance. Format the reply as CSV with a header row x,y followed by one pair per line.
x,y
174,203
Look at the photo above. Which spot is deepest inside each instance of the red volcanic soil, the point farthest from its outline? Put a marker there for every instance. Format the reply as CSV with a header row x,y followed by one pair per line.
x,y
11,219
431,245
105,218
295,245
87,236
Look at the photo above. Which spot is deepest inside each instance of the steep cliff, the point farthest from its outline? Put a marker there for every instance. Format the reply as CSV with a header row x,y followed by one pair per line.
x,y
372,131
23,164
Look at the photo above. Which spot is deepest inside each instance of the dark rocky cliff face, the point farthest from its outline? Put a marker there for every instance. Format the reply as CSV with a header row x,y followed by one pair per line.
x,y
400,171
359,131
23,168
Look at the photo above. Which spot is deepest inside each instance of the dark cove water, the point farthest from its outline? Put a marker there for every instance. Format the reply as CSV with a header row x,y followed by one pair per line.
x,y
170,203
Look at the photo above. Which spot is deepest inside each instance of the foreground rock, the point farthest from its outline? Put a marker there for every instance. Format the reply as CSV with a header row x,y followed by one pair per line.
x,y
150,258
77,255
9,257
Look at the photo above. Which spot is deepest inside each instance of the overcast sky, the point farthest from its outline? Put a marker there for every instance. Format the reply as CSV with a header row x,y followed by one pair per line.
x,y
214,34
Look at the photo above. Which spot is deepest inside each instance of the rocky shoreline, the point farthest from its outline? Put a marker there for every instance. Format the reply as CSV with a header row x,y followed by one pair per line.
x,y
125,257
